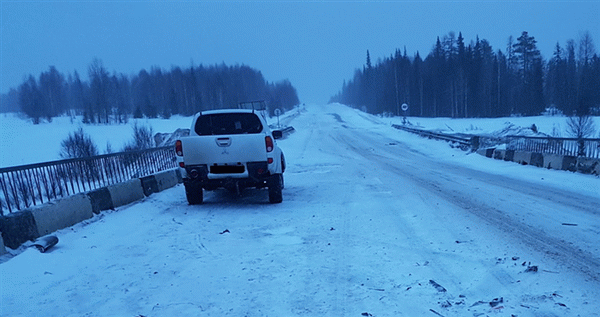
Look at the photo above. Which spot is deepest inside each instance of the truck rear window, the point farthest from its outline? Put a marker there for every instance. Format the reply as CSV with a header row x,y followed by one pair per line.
x,y
228,123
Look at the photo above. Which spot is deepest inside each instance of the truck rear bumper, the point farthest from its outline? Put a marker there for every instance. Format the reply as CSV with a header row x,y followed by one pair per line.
x,y
252,174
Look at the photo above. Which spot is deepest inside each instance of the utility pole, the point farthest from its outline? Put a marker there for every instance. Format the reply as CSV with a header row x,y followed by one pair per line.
x,y
396,82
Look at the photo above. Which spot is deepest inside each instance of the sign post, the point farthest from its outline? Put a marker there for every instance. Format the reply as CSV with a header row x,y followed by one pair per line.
x,y
404,110
277,113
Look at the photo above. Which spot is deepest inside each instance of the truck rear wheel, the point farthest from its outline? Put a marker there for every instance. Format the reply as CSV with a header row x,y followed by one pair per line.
x,y
275,184
194,194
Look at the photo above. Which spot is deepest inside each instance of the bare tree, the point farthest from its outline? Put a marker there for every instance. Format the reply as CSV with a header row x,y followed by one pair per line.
x,y
99,89
580,127
142,138
586,48
77,145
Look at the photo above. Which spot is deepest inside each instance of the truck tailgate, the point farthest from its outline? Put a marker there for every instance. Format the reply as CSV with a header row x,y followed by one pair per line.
x,y
224,149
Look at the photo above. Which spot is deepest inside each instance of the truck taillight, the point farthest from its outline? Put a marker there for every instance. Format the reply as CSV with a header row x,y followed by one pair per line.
x,y
178,148
269,143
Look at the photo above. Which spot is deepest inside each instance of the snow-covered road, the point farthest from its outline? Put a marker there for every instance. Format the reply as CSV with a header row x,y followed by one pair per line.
x,y
373,223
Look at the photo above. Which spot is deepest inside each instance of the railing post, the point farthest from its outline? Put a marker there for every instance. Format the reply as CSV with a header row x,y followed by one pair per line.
x,y
580,147
475,143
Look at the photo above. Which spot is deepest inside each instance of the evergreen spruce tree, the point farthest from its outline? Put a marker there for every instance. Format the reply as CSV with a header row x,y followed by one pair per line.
x,y
530,83
30,100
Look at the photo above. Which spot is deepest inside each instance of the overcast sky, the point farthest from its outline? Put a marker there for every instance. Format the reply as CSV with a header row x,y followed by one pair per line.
x,y
315,44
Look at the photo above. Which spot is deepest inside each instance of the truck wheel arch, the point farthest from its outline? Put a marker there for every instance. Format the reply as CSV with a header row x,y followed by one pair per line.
x,y
282,163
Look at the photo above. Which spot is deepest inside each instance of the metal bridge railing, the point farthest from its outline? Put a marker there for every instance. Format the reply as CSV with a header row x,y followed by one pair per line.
x,y
561,146
29,185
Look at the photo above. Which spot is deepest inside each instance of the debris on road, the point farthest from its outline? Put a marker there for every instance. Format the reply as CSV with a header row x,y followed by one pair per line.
x,y
496,301
437,286
45,243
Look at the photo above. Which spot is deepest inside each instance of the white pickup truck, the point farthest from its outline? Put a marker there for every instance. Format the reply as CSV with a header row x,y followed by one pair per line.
x,y
232,149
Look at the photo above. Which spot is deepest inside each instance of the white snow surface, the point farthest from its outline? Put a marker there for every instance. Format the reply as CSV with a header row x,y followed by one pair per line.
x,y
23,143
374,222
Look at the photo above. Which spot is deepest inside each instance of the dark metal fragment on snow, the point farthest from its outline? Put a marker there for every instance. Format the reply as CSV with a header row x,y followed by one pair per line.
x,y
437,286
433,311
532,268
45,243
496,301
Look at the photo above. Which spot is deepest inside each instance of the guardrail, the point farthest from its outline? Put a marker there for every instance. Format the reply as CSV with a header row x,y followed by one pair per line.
x,y
29,185
464,142
562,146
288,130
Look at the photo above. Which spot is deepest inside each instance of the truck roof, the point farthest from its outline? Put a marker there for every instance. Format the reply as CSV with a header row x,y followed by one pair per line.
x,y
260,113
226,111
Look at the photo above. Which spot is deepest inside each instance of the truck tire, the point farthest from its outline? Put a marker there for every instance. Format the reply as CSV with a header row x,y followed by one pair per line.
x,y
275,184
193,194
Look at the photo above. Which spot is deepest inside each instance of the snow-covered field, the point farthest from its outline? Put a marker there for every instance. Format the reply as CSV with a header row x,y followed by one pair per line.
x,y
374,222
24,143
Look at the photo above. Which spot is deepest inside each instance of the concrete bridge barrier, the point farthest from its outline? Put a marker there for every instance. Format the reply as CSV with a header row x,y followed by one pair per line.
x,y
34,222
550,161
62,213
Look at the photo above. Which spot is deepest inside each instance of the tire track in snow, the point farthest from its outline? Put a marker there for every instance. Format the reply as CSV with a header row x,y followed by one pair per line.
x,y
440,179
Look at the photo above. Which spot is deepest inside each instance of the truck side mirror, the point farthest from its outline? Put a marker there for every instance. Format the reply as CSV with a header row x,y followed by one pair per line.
x,y
277,134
